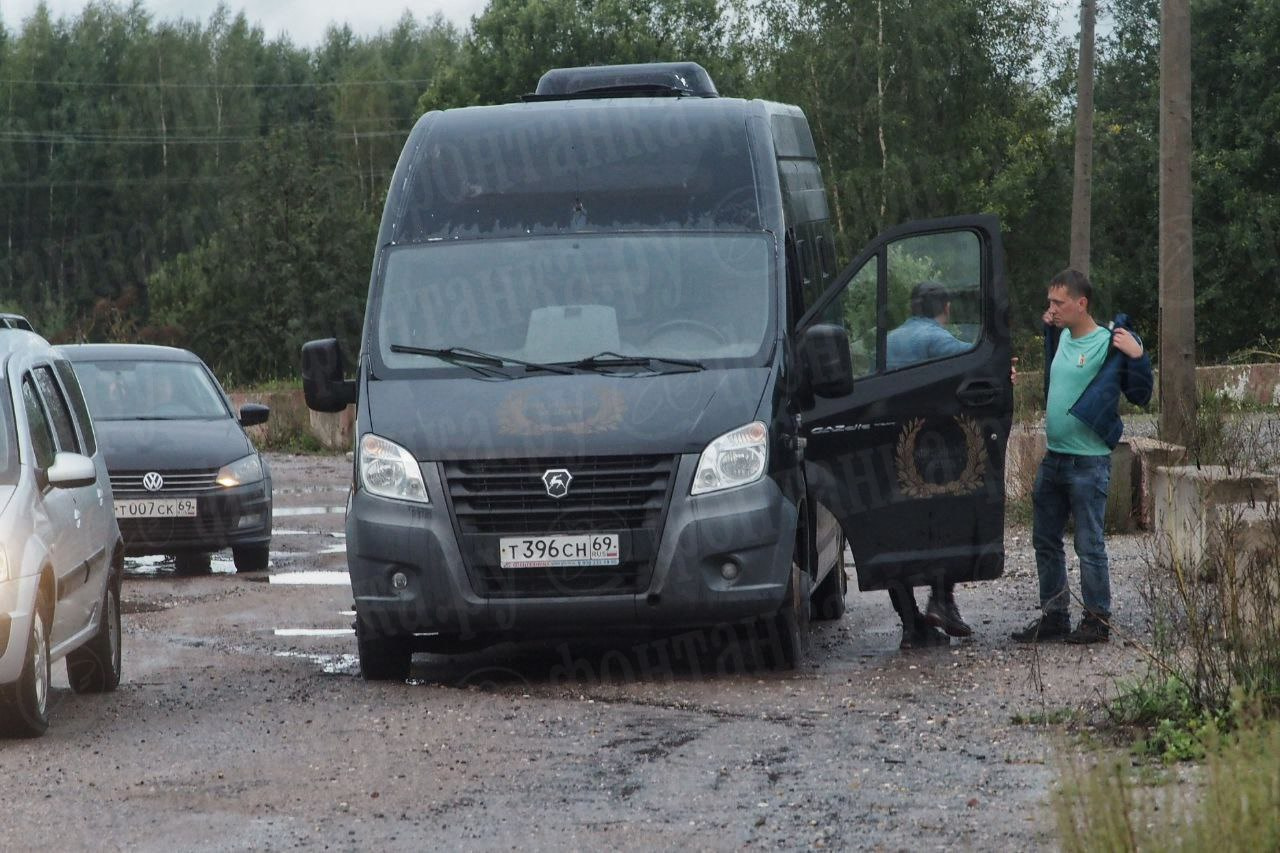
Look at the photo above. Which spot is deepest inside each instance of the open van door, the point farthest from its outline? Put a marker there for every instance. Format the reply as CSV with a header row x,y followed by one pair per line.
x,y
906,443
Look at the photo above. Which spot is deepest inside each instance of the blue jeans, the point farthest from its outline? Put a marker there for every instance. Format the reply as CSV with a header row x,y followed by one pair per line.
x,y
1067,484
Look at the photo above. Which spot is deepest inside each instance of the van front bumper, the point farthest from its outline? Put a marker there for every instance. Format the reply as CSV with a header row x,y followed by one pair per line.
x,y
750,529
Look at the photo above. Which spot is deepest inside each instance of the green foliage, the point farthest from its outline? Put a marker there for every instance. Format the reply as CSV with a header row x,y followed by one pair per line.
x,y
1179,729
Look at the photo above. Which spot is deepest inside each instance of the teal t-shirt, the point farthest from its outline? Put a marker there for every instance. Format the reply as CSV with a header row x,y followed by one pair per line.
x,y
1077,361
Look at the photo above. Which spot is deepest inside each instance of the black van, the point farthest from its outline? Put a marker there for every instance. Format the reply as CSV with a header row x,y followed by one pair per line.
x,y
612,380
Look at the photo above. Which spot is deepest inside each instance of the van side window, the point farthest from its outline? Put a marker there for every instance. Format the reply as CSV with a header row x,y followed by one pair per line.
x,y
59,414
78,406
855,309
41,435
934,306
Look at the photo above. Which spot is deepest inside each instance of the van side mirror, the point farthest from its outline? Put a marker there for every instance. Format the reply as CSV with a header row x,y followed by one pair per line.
x,y
71,471
252,414
824,352
322,372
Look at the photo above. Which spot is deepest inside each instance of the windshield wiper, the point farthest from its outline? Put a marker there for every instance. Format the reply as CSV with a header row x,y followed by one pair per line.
x,y
465,357
607,359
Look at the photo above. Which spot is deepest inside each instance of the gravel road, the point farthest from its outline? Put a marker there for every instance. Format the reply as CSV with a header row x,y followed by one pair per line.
x,y
242,724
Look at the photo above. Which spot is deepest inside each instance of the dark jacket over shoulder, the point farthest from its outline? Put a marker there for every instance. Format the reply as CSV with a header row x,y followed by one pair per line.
x,y
1098,406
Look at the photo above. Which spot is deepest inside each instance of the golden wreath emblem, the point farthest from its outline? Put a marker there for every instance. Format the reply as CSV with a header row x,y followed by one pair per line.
x,y
913,483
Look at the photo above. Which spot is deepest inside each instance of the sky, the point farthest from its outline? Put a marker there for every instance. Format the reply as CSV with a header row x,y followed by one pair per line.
x,y
304,20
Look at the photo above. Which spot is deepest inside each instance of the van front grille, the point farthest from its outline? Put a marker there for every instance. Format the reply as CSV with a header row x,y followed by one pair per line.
x,y
626,495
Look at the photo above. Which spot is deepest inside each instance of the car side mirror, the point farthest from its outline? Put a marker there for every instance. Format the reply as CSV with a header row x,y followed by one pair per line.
x,y
824,352
252,414
322,372
71,471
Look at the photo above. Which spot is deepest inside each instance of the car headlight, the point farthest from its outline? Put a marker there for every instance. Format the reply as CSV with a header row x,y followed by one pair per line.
x,y
240,472
390,471
734,459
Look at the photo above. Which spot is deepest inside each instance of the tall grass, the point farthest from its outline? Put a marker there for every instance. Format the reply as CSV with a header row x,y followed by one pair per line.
x,y
1232,803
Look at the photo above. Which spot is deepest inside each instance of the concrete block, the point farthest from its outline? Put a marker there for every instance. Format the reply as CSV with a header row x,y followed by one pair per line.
x,y
1022,457
335,431
1122,515
1150,454
1202,514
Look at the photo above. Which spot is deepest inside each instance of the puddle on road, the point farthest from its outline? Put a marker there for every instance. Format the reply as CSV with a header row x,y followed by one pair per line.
x,y
311,579
296,511
161,565
333,549
345,664
278,532
314,632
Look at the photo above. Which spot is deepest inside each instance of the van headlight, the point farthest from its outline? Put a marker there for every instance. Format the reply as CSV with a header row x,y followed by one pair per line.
x,y
734,459
240,472
390,471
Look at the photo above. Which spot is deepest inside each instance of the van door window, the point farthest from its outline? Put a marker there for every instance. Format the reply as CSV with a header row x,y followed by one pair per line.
x,y
856,310
934,300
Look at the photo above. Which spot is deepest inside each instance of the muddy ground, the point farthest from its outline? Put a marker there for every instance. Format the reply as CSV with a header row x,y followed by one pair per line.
x,y
242,723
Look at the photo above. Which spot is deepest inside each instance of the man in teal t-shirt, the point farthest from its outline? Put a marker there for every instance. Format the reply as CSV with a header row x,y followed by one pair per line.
x,y
1075,475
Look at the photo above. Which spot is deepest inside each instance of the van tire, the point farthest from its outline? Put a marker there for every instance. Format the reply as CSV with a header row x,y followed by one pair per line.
x,y
95,666
253,558
829,597
24,705
383,658
192,563
786,634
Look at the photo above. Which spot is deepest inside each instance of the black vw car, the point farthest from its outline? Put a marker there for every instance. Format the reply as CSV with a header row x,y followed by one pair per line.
x,y
187,480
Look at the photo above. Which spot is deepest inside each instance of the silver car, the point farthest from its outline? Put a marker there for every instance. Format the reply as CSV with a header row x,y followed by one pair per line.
x,y
61,555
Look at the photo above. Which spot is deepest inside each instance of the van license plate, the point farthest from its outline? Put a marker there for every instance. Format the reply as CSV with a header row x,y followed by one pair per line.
x,y
149,508
537,552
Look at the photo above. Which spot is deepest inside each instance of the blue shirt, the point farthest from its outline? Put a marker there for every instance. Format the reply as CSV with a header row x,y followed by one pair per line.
x,y
920,339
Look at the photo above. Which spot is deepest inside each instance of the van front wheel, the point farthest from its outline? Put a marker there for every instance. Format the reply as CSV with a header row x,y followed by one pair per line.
x,y
786,634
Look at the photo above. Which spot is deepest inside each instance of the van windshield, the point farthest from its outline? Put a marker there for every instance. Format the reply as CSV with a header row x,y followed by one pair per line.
x,y
705,297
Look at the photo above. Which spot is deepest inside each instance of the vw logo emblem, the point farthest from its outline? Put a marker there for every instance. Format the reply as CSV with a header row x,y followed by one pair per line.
x,y
557,481
152,482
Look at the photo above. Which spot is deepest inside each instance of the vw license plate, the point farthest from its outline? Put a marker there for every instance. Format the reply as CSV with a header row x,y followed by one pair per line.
x,y
157,508
536,552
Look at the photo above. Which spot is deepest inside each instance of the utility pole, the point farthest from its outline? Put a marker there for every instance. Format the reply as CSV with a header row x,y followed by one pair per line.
x,y
1082,194
1178,397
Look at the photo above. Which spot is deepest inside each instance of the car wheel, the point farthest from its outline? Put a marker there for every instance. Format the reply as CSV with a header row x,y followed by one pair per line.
x,y
95,666
192,563
24,711
383,658
828,598
251,559
786,633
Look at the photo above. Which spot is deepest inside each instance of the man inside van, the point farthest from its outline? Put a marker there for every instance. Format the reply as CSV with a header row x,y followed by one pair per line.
x,y
924,337
1087,368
